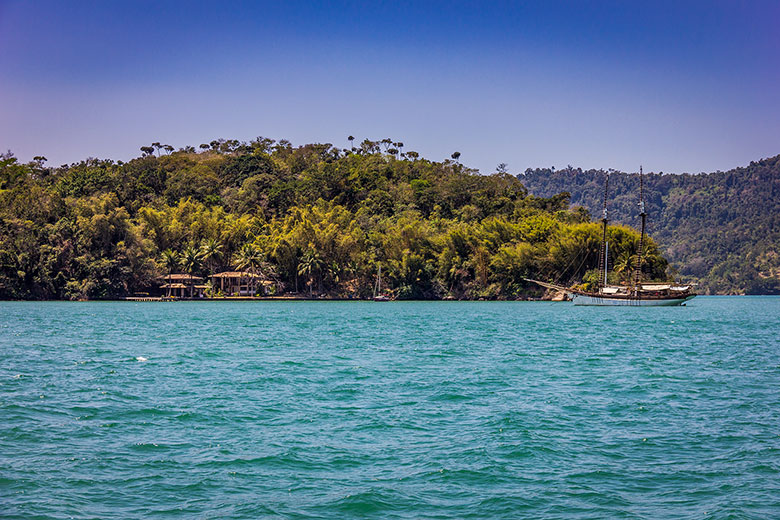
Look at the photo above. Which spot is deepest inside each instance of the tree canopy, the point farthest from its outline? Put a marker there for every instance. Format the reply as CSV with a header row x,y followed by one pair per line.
x,y
318,220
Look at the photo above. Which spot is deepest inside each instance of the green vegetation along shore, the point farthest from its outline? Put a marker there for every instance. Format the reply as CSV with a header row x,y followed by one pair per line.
x,y
721,229
317,220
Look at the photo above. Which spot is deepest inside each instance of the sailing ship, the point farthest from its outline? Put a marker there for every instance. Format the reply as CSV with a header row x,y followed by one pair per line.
x,y
378,296
640,294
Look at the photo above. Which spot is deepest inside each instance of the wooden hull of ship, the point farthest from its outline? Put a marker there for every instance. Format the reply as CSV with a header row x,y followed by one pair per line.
x,y
606,301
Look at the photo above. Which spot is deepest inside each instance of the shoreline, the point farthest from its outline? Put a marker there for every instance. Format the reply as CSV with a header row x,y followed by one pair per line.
x,y
295,298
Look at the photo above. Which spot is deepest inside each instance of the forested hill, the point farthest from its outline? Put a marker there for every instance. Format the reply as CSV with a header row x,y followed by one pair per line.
x,y
721,228
314,219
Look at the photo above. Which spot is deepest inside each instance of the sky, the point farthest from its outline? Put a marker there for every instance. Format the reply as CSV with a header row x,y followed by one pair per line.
x,y
674,86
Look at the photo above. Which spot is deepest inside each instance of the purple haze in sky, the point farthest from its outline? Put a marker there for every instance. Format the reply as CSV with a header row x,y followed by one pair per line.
x,y
675,86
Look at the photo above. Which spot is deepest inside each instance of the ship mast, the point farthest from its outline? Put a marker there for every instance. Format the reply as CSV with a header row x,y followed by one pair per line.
x,y
638,272
378,284
603,249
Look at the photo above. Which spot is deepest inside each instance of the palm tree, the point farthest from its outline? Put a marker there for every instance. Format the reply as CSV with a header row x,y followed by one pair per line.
x,y
210,251
190,261
650,257
170,259
310,263
351,140
623,264
250,258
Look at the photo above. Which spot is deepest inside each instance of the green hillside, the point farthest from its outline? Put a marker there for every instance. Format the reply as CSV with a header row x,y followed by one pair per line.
x,y
316,220
722,228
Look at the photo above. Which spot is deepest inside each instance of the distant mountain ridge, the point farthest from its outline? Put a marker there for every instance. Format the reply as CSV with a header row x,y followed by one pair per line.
x,y
721,229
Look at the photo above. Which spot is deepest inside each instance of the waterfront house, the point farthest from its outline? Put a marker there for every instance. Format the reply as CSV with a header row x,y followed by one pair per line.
x,y
240,283
183,285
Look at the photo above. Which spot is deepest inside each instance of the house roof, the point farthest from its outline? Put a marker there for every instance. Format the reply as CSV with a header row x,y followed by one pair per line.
x,y
180,276
236,274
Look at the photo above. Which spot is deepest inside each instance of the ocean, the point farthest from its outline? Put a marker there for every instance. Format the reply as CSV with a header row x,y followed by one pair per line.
x,y
298,409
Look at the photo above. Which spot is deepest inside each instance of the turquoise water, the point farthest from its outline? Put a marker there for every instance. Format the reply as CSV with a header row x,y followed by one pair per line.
x,y
390,410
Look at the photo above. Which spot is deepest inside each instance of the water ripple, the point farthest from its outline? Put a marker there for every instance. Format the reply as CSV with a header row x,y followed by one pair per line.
x,y
401,410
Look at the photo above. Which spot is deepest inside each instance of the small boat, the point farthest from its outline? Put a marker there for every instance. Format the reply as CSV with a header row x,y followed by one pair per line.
x,y
639,294
378,296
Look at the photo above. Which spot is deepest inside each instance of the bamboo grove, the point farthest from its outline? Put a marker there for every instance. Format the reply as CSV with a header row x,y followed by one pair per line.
x,y
316,219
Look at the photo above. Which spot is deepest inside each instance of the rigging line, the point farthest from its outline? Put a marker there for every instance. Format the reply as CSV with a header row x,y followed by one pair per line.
x,y
584,259
560,276
580,253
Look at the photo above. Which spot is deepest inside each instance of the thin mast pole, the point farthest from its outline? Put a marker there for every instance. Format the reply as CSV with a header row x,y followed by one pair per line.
x,y
638,272
602,249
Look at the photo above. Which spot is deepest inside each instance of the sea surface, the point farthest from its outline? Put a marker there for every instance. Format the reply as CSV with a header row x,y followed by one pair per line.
x,y
390,410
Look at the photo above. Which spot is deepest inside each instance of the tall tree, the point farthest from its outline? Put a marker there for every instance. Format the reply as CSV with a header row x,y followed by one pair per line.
x,y
210,251
170,259
191,262
249,258
311,265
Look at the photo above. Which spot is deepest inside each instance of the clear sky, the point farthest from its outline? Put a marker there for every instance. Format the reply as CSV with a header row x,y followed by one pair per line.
x,y
676,86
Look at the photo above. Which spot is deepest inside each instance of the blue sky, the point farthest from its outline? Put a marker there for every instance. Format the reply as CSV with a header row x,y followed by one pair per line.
x,y
675,86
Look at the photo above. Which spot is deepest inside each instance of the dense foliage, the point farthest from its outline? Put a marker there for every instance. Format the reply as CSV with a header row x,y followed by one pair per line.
x,y
316,219
722,228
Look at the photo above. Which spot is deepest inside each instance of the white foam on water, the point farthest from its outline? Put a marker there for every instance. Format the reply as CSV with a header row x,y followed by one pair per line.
x,y
141,358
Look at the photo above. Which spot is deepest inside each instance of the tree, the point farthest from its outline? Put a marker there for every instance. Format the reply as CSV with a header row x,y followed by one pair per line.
x,y
210,251
191,261
311,265
624,265
97,228
249,258
351,140
170,259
